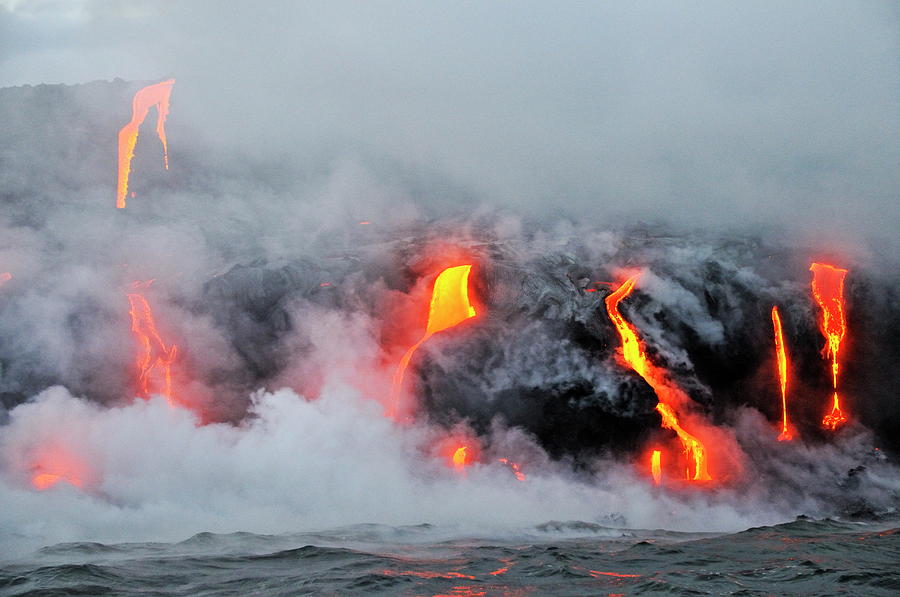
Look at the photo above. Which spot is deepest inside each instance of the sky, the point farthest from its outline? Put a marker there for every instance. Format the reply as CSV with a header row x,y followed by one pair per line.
x,y
704,114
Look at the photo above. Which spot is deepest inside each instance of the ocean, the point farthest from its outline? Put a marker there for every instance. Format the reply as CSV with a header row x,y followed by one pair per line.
x,y
803,557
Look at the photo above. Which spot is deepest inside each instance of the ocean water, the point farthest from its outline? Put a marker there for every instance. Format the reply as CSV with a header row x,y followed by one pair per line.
x,y
804,557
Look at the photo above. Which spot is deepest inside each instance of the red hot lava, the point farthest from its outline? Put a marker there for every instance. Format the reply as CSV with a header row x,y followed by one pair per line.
x,y
828,290
449,307
458,451
669,395
146,98
461,457
655,466
154,359
53,465
781,358
514,467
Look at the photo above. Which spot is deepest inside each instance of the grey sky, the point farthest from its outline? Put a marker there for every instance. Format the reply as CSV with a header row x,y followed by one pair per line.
x,y
704,112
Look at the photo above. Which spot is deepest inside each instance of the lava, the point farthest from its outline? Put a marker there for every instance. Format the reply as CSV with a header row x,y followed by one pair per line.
x,y
449,307
44,481
596,573
655,470
54,464
152,95
460,457
668,394
427,574
154,359
828,290
514,467
5,277
781,357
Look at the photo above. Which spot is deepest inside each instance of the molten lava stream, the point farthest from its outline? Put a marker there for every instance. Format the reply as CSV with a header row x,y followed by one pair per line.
x,y
514,467
828,290
669,395
449,307
154,359
152,95
781,357
655,466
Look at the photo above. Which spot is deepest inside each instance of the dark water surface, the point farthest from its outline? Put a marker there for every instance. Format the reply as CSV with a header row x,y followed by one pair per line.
x,y
804,557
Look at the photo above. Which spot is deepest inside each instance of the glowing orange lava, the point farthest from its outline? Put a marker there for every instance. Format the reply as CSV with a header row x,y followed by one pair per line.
x,y
54,464
655,470
449,307
616,574
43,481
152,95
460,458
781,357
828,290
669,395
154,359
427,574
517,471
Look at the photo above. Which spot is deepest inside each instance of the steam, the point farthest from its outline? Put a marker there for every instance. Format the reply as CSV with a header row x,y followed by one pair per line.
x,y
701,115
312,464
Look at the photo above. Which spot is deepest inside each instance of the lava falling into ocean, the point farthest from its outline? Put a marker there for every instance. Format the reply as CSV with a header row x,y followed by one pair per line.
x,y
781,359
828,289
514,467
448,308
670,396
154,359
153,95
656,466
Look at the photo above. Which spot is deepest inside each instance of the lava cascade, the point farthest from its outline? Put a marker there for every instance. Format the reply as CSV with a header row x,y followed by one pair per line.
x,y
514,467
152,95
154,359
828,290
781,357
668,394
655,466
449,307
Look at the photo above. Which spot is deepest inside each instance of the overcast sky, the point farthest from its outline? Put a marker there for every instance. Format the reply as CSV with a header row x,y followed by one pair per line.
x,y
707,112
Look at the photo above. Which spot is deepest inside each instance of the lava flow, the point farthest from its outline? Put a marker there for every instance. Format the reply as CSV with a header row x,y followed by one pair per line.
x,y
669,395
449,307
655,468
54,464
828,289
154,359
44,481
152,95
460,457
514,467
781,357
